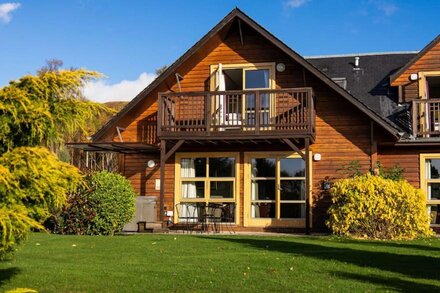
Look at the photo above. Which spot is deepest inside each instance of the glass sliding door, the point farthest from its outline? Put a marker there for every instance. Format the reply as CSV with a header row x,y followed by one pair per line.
x,y
202,179
276,187
238,111
263,187
257,79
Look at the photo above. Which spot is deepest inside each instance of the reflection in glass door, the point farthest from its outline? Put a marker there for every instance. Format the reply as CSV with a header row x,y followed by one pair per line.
x,y
277,188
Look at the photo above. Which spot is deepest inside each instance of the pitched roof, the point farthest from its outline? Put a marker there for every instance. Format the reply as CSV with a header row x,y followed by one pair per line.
x,y
237,13
428,47
370,82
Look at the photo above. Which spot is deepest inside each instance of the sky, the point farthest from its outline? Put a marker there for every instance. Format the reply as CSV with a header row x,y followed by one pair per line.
x,y
128,40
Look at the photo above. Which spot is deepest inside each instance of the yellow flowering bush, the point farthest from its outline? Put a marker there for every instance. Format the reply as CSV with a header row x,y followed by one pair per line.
x,y
371,206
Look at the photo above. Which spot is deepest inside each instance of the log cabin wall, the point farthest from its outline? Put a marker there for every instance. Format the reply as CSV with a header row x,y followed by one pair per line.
x,y
408,158
342,134
430,61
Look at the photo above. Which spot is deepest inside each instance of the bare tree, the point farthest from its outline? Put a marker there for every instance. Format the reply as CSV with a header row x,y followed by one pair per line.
x,y
160,70
51,65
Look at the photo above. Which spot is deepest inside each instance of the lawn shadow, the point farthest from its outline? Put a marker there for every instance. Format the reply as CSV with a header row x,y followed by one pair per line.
x,y
414,266
394,284
392,244
7,274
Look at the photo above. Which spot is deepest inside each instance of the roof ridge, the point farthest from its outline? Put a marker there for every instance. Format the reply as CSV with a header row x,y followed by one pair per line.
x,y
360,54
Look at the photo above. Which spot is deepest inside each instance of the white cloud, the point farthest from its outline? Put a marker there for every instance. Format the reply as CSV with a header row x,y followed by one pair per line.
x,y
387,8
6,10
296,3
125,90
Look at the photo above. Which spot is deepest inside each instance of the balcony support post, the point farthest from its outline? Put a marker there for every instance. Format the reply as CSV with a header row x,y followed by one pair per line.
x,y
257,112
308,183
164,156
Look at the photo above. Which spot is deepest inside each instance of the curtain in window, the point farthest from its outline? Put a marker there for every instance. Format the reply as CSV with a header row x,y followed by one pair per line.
x,y
187,170
427,110
255,211
220,85
266,78
428,176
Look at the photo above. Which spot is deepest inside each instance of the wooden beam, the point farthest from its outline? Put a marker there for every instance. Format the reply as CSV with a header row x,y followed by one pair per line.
x,y
373,148
163,149
308,189
241,32
164,156
294,147
173,149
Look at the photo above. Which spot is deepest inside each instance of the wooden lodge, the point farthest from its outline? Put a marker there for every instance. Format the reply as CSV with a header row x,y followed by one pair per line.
x,y
243,121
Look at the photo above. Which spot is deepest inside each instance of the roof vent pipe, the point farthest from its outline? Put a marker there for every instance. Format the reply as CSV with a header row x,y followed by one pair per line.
x,y
356,62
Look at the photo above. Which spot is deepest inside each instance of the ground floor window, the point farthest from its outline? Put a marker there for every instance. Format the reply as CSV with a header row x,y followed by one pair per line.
x,y
430,183
276,186
206,180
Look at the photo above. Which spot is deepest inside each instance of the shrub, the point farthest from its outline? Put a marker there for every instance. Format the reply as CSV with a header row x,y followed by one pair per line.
x,y
75,217
37,180
103,208
375,207
15,225
113,200
33,182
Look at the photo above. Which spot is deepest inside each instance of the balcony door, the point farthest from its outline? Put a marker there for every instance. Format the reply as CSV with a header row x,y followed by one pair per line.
x,y
429,90
236,110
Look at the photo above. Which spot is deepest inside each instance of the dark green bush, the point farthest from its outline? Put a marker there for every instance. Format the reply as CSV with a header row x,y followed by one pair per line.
x,y
102,209
75,217
113,199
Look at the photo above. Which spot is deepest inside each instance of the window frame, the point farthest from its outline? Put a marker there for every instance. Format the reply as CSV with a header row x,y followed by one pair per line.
x,y
207,180
424,181
277,221
271,66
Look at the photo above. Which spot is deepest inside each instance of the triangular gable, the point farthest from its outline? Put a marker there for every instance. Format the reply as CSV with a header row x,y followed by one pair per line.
x,y
401,77
236,13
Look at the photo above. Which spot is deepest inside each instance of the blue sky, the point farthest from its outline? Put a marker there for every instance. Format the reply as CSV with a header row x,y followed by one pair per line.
x,y
128,40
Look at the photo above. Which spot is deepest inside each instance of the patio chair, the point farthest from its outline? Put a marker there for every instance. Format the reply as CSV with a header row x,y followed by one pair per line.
x,y
228,217
187,216
212,217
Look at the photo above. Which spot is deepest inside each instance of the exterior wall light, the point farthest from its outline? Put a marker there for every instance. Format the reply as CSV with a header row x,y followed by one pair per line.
x,y
151,164
281,67
326,184
317,157
414,77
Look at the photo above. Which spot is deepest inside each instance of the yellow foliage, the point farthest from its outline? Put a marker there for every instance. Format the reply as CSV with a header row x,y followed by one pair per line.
x,y
37,179
47,109
14,227
374,207
22,290
33,183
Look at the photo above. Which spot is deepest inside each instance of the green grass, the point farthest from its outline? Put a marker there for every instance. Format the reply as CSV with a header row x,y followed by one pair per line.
x,y
212,263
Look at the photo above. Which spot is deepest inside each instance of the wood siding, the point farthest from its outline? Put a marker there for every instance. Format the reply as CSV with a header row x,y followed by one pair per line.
x,y
428,62
407,158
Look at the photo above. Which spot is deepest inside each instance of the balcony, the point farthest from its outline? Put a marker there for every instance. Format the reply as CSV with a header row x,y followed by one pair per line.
x,y
426,118
283,113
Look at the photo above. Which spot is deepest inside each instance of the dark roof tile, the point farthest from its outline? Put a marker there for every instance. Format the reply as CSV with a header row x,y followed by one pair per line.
x,y
370,82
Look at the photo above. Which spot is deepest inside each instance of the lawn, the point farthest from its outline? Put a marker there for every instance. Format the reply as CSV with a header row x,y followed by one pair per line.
x,y
212,263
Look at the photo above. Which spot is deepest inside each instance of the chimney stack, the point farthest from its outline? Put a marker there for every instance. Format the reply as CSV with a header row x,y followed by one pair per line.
x,y
356,62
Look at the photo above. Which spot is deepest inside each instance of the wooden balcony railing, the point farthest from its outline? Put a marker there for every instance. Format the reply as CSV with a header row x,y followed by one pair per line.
x,y
250,112
426,118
